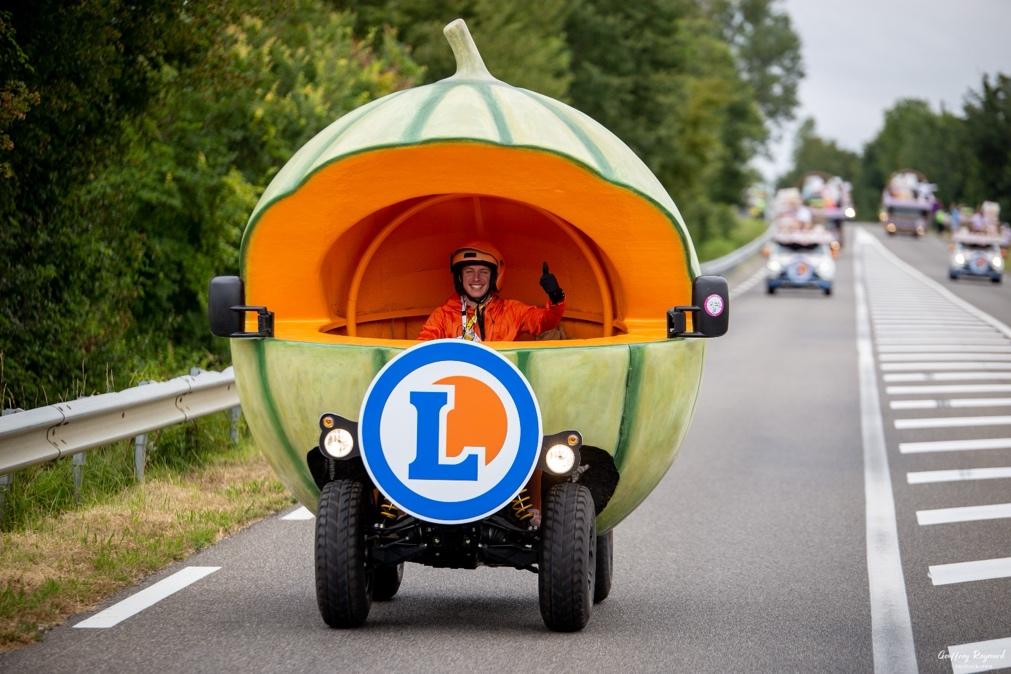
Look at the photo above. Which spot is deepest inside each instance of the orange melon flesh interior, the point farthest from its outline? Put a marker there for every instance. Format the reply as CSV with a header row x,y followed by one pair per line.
x,y
359,253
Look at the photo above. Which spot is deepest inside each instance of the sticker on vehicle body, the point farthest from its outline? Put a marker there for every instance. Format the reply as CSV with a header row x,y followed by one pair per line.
x,y
713,305
450,431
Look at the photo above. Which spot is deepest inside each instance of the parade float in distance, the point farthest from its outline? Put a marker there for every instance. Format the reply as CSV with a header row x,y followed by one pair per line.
x,y
449,453
801,253
979,246
830,200
907,203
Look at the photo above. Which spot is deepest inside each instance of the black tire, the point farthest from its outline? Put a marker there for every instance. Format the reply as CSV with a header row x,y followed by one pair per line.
x,y
952,276
567,560
386,581
995,279
342,579
605,563
770,290
827,291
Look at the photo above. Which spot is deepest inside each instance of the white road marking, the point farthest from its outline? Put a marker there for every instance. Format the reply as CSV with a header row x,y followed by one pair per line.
x,y
959,403
948,376
930,356
957,475
918,347
749,283
891,628
914,404
940,289
149,596
935,343
951,422
980,656
963,365
954,445
963,514
301,513
964,572
950,388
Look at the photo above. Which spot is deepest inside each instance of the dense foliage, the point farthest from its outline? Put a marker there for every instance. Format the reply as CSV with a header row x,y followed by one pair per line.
x,y
136,137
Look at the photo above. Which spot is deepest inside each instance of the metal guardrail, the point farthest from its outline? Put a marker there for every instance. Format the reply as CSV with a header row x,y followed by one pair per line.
x,y
47,433
722,265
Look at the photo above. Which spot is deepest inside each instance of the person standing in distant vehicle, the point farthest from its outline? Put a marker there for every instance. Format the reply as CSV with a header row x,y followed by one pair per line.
x,y
477,313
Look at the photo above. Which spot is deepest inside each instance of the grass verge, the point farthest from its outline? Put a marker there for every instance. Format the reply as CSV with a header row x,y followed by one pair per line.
x,y
59,565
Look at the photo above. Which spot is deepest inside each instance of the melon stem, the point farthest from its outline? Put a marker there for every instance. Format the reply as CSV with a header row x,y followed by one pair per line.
x,y
469,64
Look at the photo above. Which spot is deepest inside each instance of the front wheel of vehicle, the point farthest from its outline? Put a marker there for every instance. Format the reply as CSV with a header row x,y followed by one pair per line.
x,y
770,290
566,578
995,279
386,581
605,563
953,276
342,580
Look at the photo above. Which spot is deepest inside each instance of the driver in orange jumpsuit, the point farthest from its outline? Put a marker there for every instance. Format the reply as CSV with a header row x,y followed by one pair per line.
x,y
476,312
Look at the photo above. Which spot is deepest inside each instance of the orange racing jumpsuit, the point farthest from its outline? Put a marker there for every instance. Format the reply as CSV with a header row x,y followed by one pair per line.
x,y
504,320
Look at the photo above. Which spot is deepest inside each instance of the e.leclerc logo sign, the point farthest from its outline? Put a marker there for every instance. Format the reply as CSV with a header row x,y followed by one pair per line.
x,y
450,431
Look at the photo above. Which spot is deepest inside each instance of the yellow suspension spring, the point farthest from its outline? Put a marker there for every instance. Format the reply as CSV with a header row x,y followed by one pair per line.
x,y
388,510
521,506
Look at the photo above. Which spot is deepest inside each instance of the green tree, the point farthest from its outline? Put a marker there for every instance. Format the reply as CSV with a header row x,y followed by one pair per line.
x,y
660,76
811,152
522,44
767,50
988,142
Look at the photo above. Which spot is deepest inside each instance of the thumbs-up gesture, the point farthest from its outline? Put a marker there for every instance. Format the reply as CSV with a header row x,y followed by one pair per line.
x,y
550,285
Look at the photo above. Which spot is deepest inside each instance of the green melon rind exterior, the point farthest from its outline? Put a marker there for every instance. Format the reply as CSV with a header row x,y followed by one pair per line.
x,y
484,111
634,401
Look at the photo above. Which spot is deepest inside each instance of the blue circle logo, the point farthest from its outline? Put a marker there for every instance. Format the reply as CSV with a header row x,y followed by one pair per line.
x,y
450,431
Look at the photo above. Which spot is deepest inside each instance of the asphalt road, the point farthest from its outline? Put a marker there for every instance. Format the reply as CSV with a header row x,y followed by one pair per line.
x,y
752,553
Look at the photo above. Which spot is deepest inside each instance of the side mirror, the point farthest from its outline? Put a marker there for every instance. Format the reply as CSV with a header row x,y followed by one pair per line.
x,y
710,310
226,310
766,250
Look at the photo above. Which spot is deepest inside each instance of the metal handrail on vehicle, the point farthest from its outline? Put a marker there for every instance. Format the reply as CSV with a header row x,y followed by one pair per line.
x,y
46,433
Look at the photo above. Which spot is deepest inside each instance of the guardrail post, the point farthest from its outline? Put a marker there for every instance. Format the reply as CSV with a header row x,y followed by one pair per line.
x,y
7,478
233,431
78,460
140,450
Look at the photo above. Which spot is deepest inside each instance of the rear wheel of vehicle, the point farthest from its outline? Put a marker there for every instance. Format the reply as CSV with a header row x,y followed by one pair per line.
x,y
386,581
566,578
342,579
605,563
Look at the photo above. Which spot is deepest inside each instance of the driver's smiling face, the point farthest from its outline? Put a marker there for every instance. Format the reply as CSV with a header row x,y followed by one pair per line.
x,y
476,278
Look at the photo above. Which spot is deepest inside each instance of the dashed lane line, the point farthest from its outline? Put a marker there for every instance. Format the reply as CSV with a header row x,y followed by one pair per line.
x,y
996,511
146,598
966,572
958,475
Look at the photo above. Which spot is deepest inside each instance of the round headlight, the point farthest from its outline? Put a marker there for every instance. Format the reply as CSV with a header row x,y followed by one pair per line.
x,y
338,443
850,213
997,262
774,266
959,259
560,459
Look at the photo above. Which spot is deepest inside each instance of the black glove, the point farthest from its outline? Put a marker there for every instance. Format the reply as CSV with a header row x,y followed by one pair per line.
x,y
550,285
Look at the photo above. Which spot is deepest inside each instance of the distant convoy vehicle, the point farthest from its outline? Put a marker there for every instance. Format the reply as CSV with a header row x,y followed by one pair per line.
x,y
801,259
976,256
830,200
907,203
801,254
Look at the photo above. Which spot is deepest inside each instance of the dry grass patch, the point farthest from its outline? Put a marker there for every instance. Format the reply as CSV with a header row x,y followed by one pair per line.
x,y
69,563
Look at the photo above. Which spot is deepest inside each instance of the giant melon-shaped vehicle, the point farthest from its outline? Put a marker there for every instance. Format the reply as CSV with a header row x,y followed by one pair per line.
x,y
523,454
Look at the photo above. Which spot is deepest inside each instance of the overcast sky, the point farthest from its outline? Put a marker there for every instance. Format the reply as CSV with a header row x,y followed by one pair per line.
x,y
861,56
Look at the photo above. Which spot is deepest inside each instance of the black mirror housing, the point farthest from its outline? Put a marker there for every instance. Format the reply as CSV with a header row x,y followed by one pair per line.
x,y
710,310
226,310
